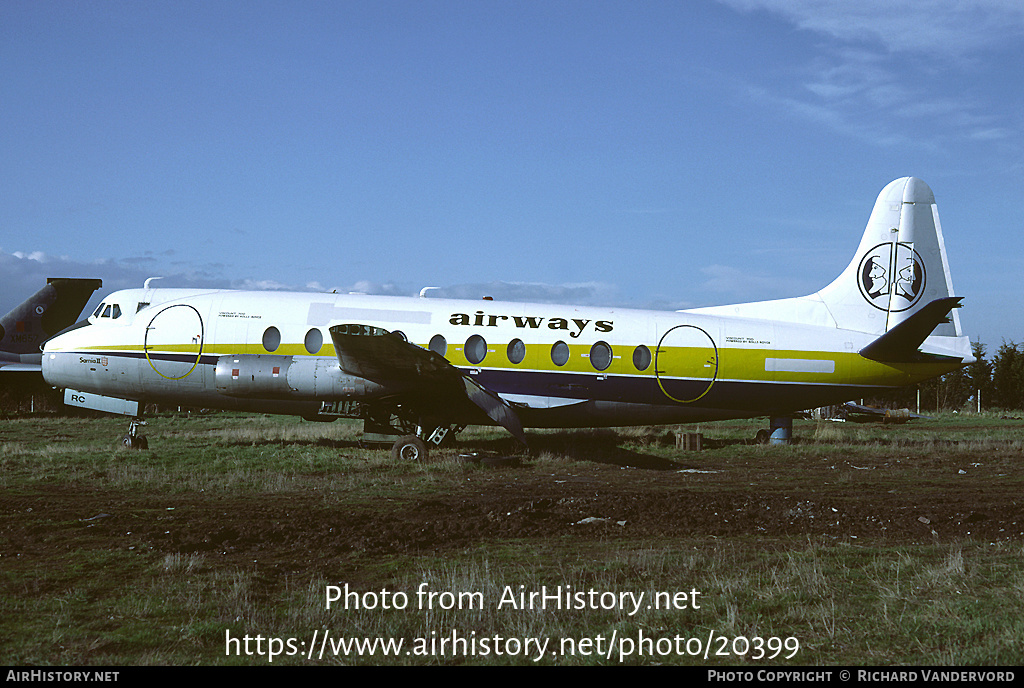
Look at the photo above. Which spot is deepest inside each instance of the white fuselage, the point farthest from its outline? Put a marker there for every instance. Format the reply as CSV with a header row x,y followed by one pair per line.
x,y
562,366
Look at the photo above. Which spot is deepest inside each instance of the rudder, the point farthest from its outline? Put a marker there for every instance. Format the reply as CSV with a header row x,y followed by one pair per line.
x,y
900,265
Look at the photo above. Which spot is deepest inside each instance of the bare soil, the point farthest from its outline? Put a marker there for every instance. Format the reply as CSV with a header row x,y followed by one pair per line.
x,y
937,496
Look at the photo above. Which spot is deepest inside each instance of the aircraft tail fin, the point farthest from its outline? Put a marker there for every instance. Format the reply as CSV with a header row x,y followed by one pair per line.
x,y
54,307
899,268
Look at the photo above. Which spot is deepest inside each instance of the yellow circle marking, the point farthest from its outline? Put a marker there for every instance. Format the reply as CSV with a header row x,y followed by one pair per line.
x,y
145,344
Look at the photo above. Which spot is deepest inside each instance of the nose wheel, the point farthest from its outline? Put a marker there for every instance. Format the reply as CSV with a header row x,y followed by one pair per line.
x,y
133,440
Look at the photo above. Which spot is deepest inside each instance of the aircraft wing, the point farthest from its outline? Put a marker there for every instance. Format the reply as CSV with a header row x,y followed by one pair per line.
x,y
860,412
15,363
386,358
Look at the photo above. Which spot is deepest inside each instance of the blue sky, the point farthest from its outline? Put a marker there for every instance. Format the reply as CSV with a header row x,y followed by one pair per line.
x,y
642,154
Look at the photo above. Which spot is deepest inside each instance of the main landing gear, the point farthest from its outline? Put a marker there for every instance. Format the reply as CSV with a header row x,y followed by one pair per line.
x,y
133,440
409,448
780,432
416,447
413,437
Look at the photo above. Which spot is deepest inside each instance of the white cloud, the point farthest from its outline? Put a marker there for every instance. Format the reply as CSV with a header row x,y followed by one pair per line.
x,y
882,73
261,285
948,29
37,256
584,294
23,272
993,134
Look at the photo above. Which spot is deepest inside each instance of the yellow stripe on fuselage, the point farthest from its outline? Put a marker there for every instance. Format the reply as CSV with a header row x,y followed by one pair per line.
x,y
733,364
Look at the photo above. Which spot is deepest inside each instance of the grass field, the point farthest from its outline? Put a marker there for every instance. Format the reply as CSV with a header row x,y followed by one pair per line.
x,y
221,544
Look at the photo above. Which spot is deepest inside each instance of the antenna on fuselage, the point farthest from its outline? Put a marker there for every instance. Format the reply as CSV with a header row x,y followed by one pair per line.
x,y
148,280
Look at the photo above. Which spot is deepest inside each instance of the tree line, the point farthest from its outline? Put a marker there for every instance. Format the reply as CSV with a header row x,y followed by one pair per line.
x,y
997,382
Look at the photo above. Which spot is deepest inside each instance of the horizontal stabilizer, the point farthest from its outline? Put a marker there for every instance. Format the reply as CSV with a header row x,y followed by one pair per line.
x,y
386,358
901,344
21,367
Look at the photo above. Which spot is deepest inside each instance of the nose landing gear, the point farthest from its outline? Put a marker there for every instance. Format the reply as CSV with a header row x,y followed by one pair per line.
x,y
133,440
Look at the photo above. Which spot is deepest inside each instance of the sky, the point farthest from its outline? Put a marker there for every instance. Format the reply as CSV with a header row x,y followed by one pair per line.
x,y
650,154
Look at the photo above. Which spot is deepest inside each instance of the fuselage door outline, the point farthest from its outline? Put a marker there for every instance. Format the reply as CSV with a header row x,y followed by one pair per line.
x,y
174,319
686,363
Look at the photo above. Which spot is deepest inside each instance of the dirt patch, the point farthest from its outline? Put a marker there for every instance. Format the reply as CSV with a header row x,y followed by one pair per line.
x,y
303,531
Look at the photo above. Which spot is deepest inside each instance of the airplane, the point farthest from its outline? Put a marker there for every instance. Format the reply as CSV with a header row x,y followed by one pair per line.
x,y
51,309
861,413
421,369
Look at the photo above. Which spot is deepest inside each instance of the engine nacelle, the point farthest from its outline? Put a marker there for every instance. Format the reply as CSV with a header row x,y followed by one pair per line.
x,y
294,377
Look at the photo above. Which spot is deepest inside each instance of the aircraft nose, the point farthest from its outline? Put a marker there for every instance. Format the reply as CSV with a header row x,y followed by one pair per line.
x,y
59,369
49,343
54,360
49,364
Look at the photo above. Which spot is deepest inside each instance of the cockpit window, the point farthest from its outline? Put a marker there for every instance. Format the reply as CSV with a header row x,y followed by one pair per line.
x,y
107,310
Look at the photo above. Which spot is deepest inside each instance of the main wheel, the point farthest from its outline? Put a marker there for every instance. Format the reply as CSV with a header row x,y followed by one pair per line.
x,y
409,448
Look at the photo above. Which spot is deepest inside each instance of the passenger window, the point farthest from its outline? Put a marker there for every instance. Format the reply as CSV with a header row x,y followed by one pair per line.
x,y
314,340
271,338
438,344
516,351
560,353
641,357
601,356
476,349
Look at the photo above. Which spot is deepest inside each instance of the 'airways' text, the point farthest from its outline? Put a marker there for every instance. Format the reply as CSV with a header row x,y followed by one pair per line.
x,y
481,319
